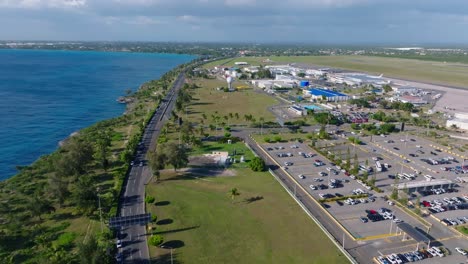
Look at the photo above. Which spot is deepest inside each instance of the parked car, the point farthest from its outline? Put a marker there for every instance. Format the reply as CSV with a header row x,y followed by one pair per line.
x,y
461,251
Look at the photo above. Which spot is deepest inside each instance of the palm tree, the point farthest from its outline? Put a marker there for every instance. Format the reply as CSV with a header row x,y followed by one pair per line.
x,y
233,193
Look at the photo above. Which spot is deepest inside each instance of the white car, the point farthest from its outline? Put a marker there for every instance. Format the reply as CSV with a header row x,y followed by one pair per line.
x,y
312,187
461,251
119,243
141,163
301,176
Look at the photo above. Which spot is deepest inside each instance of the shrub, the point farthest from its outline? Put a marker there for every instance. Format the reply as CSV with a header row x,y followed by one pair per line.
x,y
257,164
154,218
65,240
156,240
267,139
277,138
149,199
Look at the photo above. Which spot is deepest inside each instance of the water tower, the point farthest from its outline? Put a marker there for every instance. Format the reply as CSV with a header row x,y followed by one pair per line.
x,y
229,80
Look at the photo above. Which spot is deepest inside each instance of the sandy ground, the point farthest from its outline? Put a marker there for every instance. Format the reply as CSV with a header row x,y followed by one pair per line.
x,y
456,99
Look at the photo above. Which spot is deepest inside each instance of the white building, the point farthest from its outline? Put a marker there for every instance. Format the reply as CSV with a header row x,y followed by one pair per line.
x,y
241,63
460,120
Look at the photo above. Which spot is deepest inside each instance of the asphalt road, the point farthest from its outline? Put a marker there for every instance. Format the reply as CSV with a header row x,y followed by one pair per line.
x,y
134,242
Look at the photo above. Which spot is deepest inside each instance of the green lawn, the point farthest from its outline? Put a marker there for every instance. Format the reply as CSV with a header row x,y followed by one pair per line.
x,y
208,100
455,74
207,227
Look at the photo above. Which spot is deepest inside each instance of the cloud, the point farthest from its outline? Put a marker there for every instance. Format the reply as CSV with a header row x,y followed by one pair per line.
x,y
333,21
42,3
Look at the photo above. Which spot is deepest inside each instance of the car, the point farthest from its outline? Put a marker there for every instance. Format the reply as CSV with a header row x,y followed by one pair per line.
x,y
364,219
396,220
301,176
318,179
287,163
141,164
383,260
322,196
395,148
312,187
461,251
390,203
119,257
322,174
119,243
132,163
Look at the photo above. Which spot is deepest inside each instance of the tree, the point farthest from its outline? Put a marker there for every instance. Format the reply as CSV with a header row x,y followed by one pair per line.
x,y
233,193
88,251
387,88
39,206
176,155
84,195
103,142
156,240
257,164
58,187
372,181
301,75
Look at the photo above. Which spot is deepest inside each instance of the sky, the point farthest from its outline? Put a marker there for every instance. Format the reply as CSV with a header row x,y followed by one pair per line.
x,y
263,21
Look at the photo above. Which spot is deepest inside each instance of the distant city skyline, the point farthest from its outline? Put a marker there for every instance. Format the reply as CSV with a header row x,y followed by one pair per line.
x,y
402,22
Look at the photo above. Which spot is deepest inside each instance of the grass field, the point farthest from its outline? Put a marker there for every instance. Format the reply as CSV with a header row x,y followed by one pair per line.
x,y
208,100
455,74
203,224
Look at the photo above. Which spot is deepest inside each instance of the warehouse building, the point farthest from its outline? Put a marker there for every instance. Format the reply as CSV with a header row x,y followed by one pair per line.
x,y
328,95
460,120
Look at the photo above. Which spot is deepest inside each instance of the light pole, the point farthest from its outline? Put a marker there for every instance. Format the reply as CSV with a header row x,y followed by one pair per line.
x,y
172,260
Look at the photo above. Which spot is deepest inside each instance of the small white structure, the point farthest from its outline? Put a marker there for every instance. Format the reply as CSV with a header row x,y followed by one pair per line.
x,y
229,80
241,63
296,110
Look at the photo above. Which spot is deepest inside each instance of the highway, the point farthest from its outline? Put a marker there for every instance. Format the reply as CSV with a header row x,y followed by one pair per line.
x,y
134,241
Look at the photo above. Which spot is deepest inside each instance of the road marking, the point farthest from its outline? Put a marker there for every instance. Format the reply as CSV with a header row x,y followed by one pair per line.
x,y
140,253
376,237
130,210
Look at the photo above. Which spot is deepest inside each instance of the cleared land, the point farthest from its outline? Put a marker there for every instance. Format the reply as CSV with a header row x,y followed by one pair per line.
x,y
209,100
205,226
454,74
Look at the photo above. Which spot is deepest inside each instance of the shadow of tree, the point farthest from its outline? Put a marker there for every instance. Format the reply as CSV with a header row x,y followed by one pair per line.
x,y
165,221
253,199
162,203
176,230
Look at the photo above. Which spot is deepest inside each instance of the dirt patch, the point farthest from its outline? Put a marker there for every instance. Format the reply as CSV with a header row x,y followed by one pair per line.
x,y
210,172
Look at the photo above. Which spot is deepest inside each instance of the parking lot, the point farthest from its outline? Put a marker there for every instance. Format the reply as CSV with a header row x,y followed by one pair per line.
x,y
293,158
401,155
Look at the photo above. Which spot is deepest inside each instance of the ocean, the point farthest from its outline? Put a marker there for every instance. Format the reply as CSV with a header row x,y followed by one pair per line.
x,y
47,95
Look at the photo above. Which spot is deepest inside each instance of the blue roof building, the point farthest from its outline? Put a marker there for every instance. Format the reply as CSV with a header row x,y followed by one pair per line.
x,y
329,95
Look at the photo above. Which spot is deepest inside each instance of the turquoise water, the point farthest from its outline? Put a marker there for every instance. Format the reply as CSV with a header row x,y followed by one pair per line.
x,y
47,95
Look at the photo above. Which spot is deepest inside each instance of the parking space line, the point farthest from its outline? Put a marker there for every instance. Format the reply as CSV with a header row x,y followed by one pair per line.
x,y
377,237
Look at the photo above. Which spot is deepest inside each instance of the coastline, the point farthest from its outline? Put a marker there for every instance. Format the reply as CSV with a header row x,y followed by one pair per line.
x,y
58,117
